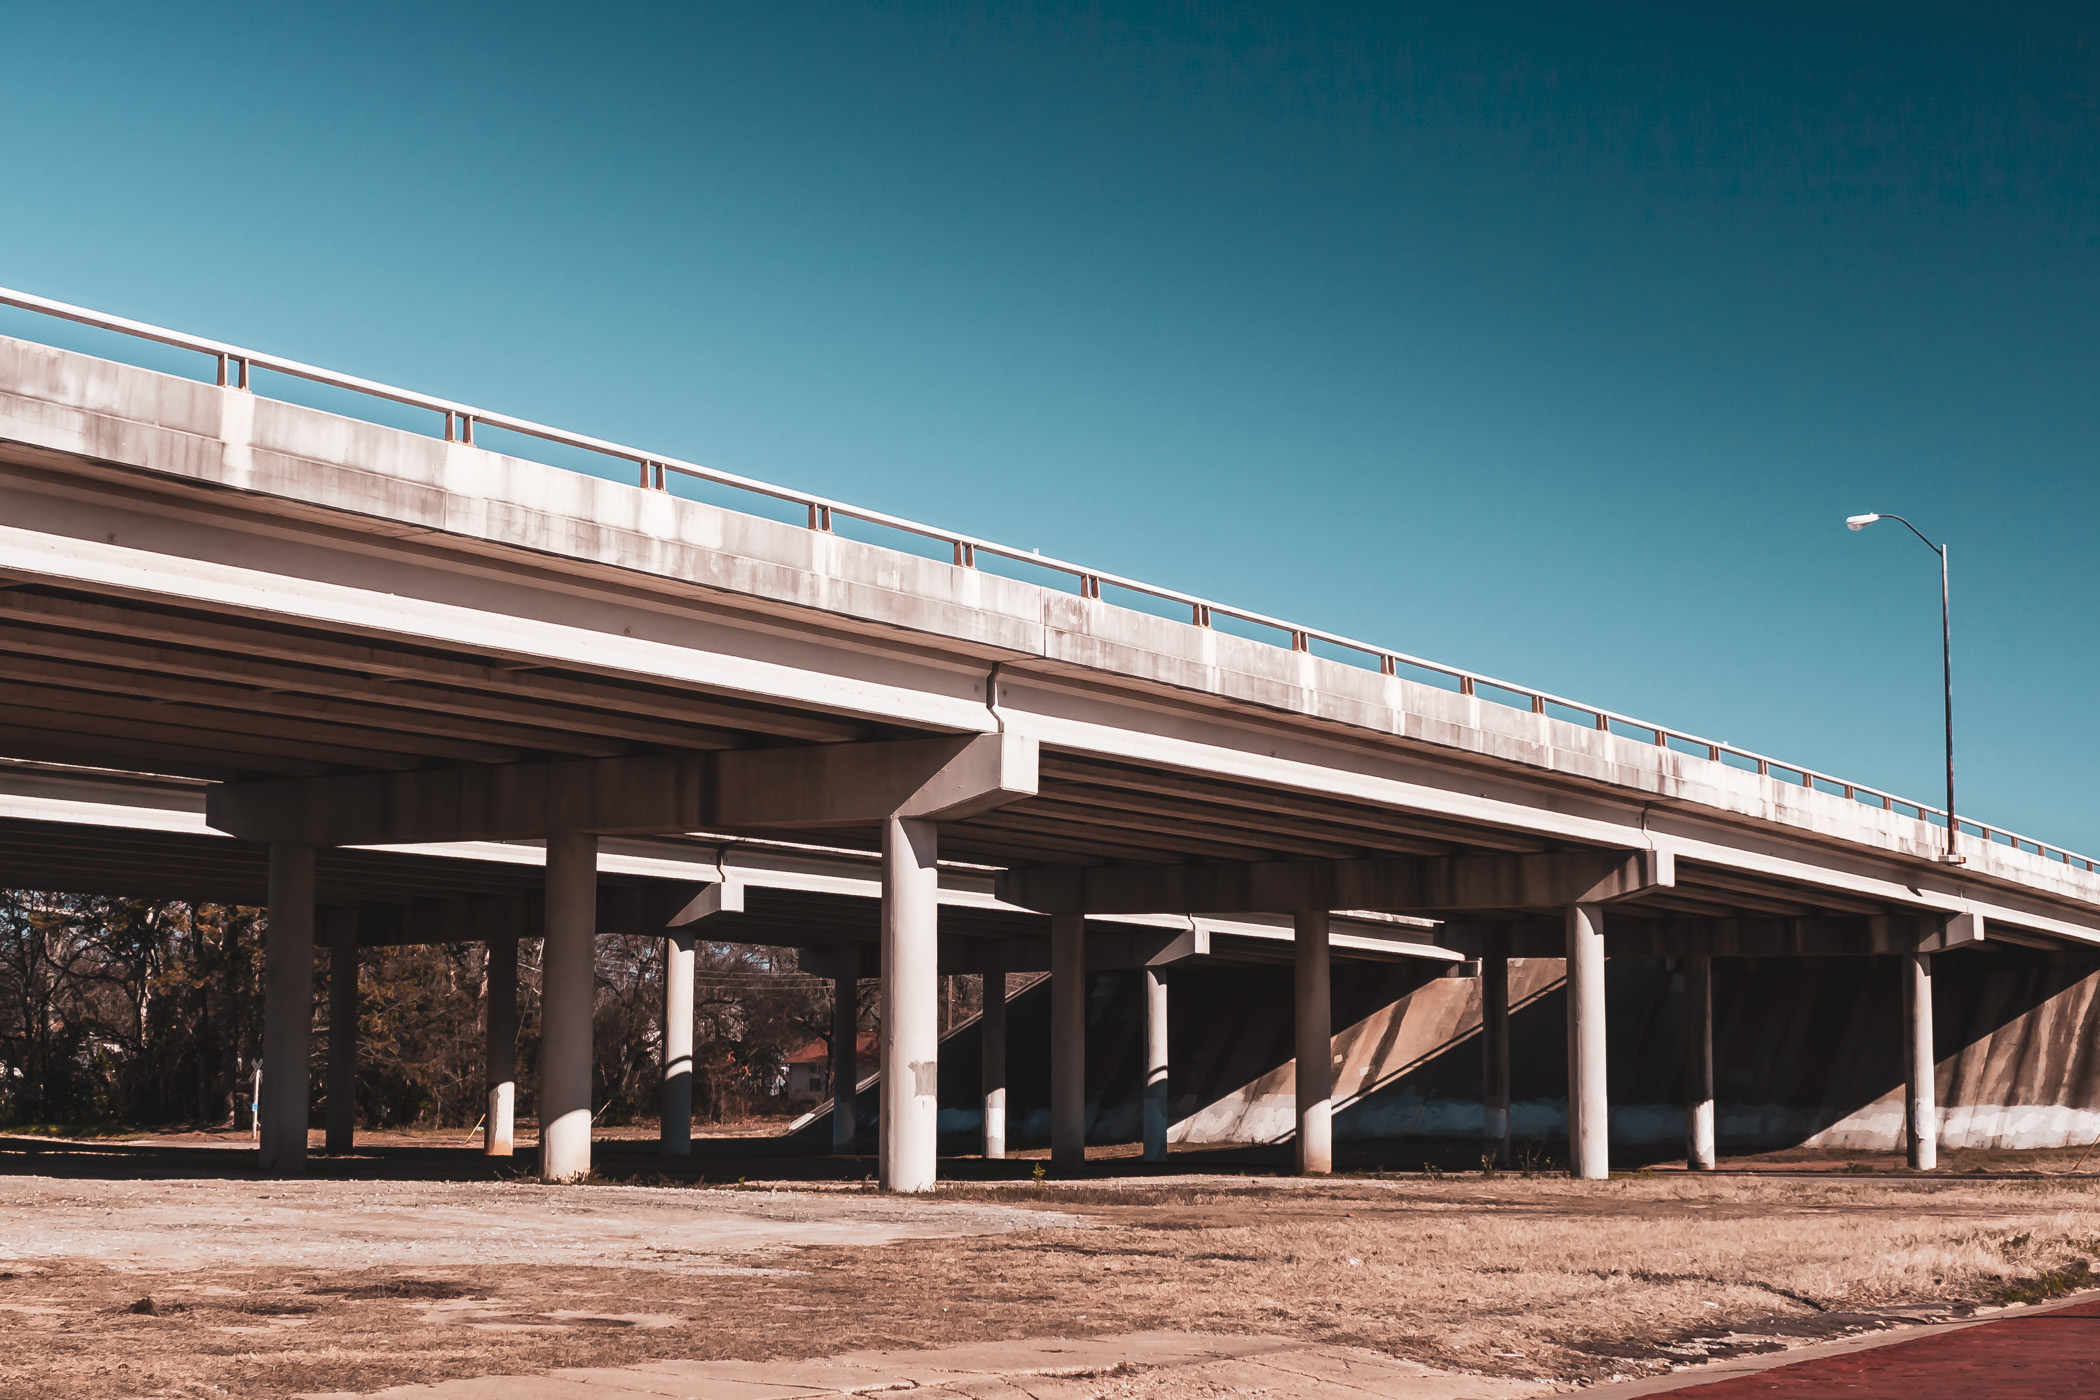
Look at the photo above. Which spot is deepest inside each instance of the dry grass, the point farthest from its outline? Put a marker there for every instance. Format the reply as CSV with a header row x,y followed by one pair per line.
x,y
1544,1278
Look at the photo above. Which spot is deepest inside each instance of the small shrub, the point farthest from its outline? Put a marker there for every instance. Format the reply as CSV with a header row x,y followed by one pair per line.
x,y
2054,1283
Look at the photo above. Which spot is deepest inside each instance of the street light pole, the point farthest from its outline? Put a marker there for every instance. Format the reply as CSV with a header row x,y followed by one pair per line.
x,y
1860,522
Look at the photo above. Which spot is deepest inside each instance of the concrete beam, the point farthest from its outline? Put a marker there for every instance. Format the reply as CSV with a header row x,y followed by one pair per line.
x,y
1954,931
644,795
1108,949
1396,884
816,785
823,785
1635,937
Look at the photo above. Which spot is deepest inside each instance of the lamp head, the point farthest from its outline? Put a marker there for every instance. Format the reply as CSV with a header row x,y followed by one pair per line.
x,y
1860,522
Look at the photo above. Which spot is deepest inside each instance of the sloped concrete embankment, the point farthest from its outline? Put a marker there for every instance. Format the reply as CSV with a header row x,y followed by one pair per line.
x,y
1806,1053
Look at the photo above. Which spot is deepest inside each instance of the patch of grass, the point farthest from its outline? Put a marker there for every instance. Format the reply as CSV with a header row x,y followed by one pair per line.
x,y
2054,1283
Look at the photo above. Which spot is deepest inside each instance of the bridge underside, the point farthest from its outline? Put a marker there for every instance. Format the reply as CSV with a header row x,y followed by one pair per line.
x,y
392,662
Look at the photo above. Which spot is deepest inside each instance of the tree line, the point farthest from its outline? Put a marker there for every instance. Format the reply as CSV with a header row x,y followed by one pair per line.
x,y
139,1012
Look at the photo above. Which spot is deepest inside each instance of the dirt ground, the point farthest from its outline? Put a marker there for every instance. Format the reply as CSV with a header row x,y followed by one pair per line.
x,y
118,1278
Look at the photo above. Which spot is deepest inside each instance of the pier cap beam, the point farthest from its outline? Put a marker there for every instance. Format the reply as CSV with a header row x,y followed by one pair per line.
x,y
1400,884
818,785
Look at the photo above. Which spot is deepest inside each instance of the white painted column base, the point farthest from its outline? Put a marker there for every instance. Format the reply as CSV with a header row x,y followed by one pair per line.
x,y
1699,1063
911,1039
992,1034
1315,1044
568,992
675,1133
1155,1066
1921,1110
1589,1122
500,1052
1494,1058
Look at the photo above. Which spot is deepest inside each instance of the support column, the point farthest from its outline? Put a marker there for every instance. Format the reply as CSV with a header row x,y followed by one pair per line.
x,y
1699,1063
845,1066
992,1032
911,1037
676,1130
1494,1058
1155,1066
342,1030
568,990
1921,1112
1068,1041
288,1012
500,1052
1315,1021
1589,1124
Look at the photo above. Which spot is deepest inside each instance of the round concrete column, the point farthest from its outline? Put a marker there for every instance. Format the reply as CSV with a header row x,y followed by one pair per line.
x,y
288,1010
1068,1041
342,1030
1699,1063
1589,1122
500,1046
1921,1110
676,1130
1315,1025
845,1066
911,1036
568,991
992,1032
1155,1066
1494,1057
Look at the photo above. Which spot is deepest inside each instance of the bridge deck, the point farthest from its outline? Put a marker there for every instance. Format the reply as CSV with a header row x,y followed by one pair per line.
x,y
209,583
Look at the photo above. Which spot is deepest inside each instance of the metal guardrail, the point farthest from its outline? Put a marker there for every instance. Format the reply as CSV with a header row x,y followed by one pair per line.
x,y
654,472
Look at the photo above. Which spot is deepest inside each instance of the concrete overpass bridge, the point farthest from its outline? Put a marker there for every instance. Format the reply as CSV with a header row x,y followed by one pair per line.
x,y
359,636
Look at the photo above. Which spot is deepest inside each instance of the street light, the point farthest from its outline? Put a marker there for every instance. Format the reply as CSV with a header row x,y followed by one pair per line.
x,y
1861,522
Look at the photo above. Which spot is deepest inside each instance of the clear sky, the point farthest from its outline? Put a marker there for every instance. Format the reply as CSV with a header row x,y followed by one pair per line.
x,y
1555,345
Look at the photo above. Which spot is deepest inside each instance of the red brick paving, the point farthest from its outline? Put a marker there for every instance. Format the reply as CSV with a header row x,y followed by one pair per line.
x,y
2034,1356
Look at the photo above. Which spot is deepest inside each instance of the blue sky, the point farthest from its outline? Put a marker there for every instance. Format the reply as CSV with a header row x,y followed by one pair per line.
x,y
1555,346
